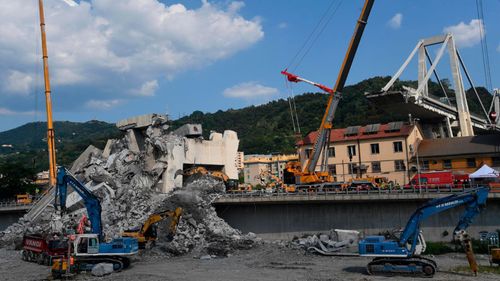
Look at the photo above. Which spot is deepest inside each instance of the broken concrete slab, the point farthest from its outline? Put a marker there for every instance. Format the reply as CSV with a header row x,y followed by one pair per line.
x,y
135,140
142,121
108,148
189,131
85,157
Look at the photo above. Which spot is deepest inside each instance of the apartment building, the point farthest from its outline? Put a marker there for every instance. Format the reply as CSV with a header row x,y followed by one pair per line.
x,y
372,150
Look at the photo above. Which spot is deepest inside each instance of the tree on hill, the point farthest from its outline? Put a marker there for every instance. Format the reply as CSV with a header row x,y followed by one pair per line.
x,y
15,178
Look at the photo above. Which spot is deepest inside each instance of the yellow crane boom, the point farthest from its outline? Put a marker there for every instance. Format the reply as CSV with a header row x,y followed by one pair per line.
x,y
48,102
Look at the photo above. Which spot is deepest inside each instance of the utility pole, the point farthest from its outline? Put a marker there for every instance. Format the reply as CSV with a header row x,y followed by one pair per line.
x,y
48,102
415,123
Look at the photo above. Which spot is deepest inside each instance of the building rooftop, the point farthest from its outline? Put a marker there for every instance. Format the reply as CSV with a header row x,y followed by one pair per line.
x,y
372,131
460,146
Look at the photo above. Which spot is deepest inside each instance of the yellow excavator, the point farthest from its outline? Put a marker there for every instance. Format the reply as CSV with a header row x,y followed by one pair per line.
x,y
230,184
148,232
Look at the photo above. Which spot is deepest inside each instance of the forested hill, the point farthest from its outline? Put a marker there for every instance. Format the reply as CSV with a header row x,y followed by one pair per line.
x,y
264,128
268,128
29,141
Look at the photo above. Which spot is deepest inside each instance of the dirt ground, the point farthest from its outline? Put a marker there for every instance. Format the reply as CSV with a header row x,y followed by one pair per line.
x,y
265,262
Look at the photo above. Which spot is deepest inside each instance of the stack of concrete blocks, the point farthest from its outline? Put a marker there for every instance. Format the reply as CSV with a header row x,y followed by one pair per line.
x,y
219,151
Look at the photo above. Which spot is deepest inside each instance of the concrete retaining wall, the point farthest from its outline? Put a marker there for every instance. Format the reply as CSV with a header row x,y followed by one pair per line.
x,y
285,220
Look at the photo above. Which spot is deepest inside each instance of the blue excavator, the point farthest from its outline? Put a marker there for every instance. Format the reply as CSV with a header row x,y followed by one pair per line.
x,y
403,255
89,249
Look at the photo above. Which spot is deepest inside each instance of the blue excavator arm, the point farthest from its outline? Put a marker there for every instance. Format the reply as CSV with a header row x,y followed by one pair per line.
x,y
92,203
474,200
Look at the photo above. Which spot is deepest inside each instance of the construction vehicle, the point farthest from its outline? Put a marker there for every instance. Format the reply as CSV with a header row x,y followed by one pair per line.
x,y
307,175
376,181
51,147
273,182
230,184
24,199
89,249
147,233
42,250
403,254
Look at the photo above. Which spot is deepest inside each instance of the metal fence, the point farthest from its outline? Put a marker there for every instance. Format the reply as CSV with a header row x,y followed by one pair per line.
x,y
316,192
13,203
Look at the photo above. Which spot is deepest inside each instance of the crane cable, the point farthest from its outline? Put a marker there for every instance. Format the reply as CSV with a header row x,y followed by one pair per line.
x,y
484,45
302,53
309,38
293,108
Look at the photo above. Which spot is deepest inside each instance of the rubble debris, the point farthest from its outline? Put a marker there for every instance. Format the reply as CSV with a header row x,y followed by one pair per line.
x,y
189,130
142,121
102,269
129,184
331,243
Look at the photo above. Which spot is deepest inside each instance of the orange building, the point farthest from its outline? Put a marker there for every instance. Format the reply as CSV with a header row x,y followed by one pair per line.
x,y
460,154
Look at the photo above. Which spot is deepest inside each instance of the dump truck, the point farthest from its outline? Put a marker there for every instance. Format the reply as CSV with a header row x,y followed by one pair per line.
x,y
39,249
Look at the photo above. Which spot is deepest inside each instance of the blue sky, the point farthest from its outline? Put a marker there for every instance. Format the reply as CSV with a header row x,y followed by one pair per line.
x,y
114,59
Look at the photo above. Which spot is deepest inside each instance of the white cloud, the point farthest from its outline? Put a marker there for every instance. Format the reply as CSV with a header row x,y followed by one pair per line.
x,y
466,35
103,44
18,82
282,25
6,111
147,89
249,90
235,7
498,48
395,21
71,3
103,104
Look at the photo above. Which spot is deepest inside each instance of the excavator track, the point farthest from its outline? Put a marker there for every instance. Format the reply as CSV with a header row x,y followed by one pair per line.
x,y
413,266
119,263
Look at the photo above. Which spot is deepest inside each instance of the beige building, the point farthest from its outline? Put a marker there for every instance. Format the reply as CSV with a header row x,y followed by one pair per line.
x,y
373,150
259,168
240,158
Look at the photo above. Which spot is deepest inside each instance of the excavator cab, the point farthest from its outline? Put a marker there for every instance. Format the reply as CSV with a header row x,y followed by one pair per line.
x,y
420,246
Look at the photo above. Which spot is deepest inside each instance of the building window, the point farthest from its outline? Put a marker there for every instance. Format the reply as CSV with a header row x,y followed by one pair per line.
x,y
308,152
332,169
495,161
376,167
425,165
471,162
351,150
351,167
375,148
399,165
398,146
447,164
331,152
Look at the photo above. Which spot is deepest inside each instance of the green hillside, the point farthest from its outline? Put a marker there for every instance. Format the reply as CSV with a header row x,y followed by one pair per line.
x,y
268,128
264,128
29,142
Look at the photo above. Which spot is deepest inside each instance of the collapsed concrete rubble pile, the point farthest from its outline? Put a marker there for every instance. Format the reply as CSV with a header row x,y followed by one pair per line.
x,y
334,242
127,180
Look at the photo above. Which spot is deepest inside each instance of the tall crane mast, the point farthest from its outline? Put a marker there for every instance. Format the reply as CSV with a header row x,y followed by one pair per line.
x,y
48,102
308,173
